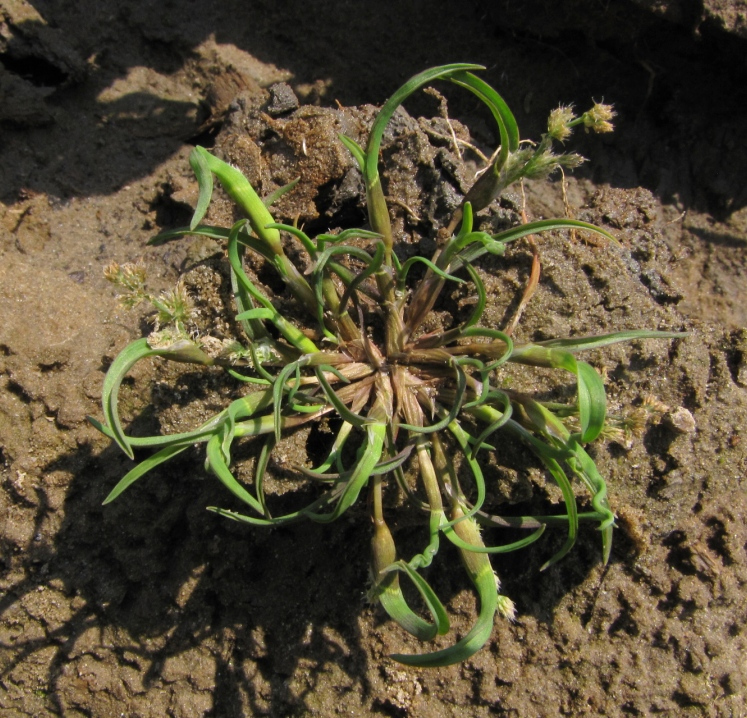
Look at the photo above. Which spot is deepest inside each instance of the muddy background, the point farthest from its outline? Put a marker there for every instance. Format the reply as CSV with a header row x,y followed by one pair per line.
x,y
152,606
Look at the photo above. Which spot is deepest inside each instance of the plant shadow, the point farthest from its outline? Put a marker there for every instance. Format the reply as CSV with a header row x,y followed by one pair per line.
x,y
259,616
188,592
665,86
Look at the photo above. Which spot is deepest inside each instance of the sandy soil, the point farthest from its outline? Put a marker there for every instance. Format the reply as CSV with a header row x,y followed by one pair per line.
x,y
151,606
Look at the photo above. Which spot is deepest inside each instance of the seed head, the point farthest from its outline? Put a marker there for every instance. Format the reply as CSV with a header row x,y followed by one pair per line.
x,y
507,608
174,306
131,278
599,118
558,124
653,405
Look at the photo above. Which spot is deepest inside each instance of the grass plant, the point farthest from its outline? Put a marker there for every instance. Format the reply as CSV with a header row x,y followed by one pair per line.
x,y
417,408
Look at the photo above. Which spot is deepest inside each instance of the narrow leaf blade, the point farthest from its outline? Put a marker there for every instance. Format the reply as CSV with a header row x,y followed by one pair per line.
x,y
204,176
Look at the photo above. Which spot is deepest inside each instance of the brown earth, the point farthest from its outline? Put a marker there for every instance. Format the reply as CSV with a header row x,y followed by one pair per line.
x,y
151,606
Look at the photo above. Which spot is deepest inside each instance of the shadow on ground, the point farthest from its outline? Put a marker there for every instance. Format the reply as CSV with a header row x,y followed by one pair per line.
x,y
114,91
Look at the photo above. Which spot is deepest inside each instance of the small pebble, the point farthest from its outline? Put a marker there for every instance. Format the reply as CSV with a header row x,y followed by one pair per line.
x,y
681,420
282,99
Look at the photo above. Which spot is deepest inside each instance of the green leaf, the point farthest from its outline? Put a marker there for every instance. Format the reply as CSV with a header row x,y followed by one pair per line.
x,y
390,106
489,185
144,467
463,438
584,467
243,408
298,234
240,190
432,602
193,437
460,543
440,272
216,463
592,402
368,457
452,414
200,167
279,388
549,225
484,580
387,586
355,419
509,130
356,150
254,328
259,475
570,505
393,601
505,415
201,230
344,236
482,298
279,192
378,212
258,313
335,453
125,360
294,335
463,241
183,351
582,343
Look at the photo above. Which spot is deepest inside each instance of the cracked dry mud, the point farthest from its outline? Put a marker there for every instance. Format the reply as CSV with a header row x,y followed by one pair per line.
x,y
151,606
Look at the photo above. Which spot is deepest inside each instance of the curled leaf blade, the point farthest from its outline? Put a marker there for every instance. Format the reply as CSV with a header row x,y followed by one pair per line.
x,y
125,360
204,176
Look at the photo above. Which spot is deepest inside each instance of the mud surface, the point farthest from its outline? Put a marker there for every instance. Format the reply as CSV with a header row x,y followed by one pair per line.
x,y
152,606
